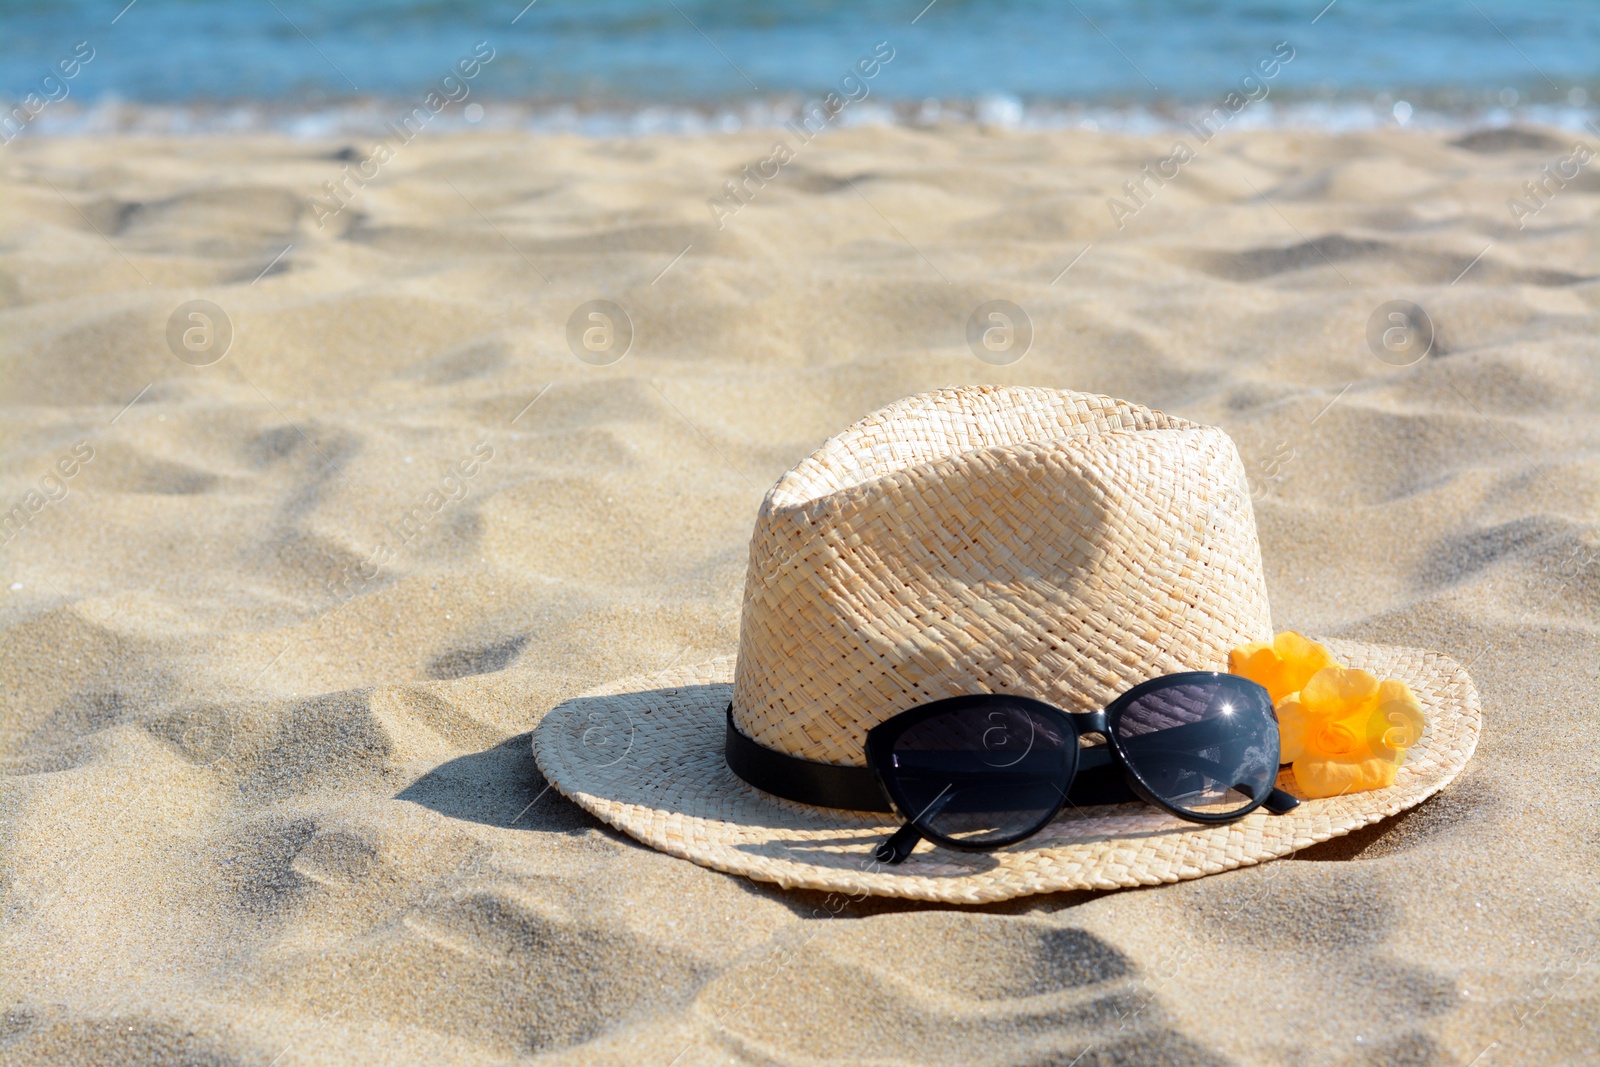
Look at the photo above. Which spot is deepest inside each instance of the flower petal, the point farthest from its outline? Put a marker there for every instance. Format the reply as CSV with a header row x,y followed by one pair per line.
x,y
1399,721
1282,665
1291,728
1302,657
1258,662
1338,738
1339,692
1324,777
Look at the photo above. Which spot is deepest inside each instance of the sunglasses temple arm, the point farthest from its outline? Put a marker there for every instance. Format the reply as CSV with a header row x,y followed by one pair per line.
x,y
899,845
1277,802
1280,803
902,841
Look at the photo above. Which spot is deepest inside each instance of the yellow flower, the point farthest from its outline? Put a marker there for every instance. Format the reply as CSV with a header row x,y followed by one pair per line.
x,y
1283,665
1345,731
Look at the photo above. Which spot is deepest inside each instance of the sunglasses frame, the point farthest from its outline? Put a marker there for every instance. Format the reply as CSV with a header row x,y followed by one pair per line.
x,y
881,739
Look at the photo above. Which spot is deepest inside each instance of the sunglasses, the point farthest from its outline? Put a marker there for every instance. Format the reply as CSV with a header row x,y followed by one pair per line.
x,y
984,771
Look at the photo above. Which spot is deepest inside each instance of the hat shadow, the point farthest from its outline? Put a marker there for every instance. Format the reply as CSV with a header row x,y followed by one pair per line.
x,y
503,787
499,786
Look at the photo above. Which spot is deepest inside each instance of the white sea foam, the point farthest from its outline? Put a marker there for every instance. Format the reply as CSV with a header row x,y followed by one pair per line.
x,y
367,116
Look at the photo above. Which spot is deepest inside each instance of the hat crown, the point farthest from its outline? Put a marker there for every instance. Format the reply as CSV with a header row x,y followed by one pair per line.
x,y
1051,544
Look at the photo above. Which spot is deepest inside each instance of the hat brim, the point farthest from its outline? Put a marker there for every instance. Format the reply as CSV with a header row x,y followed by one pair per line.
x,y
645,755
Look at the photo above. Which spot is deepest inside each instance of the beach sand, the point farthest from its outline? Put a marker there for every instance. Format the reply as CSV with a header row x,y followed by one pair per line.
x,y
269,796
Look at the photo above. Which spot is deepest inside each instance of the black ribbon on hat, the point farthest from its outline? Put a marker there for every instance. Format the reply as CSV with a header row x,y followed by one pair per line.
x,y
832,785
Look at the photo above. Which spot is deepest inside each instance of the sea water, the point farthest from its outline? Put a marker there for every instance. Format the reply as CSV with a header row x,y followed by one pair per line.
x,y
618,65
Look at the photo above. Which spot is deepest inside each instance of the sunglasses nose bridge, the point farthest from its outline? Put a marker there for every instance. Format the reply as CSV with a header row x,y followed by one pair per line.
x,y
1090,722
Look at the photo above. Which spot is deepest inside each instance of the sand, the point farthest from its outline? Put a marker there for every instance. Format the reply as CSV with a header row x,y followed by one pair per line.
x,y
271,656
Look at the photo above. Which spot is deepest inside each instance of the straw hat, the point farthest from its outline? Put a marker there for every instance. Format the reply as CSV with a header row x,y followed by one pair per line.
x,y
1031,541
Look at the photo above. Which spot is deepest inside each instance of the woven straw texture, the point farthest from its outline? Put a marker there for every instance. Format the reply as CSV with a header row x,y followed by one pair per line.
x,y
1032,541
645,756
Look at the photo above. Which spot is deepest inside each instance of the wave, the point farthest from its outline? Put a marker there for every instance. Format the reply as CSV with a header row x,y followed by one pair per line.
x,y
373,116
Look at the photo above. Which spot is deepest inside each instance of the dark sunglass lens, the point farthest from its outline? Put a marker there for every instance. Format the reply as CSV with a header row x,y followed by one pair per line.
x,y
983,774
1207,747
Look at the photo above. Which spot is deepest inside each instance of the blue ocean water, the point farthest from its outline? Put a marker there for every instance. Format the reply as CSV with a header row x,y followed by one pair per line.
x,y
632,54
